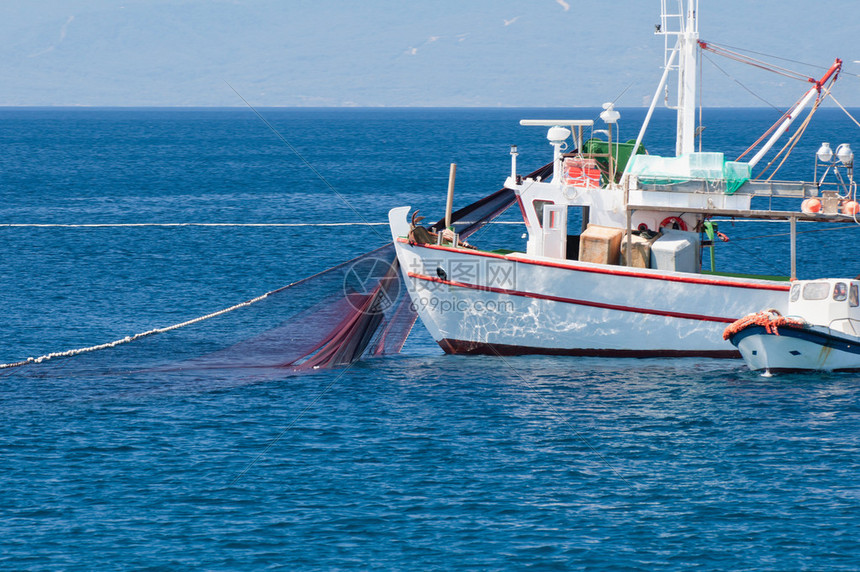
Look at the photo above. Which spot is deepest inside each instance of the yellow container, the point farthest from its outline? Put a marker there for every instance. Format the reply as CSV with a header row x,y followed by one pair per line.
x,y
600,244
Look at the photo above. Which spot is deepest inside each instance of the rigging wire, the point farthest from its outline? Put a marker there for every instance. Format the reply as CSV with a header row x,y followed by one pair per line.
x,y
816,66
766,263
305,161
850,226
792,141
772,56
755,62
622,93
845,110
768,132
754,94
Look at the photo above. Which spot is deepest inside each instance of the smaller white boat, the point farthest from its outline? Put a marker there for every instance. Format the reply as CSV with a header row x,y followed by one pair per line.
x,y
821,330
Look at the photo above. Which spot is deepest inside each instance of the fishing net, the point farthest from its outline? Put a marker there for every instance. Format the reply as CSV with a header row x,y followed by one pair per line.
x,y
356,309
328,320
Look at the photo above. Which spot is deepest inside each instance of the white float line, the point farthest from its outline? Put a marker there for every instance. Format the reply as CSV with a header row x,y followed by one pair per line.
x,y
215,224
171,224
135,337
267,224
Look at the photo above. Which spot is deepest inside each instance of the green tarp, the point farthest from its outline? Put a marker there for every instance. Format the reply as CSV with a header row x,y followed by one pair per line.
x,y
622,153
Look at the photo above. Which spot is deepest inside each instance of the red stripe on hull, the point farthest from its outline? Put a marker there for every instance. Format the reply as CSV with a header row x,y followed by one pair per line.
x,y
479,348
601,305
617,271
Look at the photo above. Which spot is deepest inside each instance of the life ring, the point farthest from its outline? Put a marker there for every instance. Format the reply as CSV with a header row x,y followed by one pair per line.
x,y
675,222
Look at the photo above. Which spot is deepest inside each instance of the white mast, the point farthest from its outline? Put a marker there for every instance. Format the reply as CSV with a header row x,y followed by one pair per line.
x,y
681,21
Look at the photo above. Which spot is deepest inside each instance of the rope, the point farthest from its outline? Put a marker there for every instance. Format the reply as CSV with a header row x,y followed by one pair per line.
x,y
754,94
176,224
205,224
128,339
788,233
845,110
817,66
296,224
722,51
792,141
302,158
771,320
768,133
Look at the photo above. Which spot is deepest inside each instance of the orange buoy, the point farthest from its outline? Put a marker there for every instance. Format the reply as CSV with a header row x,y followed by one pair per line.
x,y
810,206
851,208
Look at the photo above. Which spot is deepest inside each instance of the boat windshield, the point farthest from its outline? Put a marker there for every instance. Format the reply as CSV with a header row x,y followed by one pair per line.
x,y
840,292
816,290
795,292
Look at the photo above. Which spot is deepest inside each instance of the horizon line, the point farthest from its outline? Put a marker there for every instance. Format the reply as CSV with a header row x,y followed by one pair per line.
x,y
363,107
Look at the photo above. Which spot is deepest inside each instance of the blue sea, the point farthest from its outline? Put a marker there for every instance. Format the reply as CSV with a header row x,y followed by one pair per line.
x,y
419,461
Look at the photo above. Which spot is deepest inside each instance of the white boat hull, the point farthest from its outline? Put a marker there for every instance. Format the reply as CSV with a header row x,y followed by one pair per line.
x,y
494,303
794,350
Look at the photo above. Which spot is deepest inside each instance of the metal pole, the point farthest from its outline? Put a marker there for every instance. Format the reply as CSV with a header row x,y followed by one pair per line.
x,y
611,159
629,238
782,128
629,222
793,224
450,204
651,108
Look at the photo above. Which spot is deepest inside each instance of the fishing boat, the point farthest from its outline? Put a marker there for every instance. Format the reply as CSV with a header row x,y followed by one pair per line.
x,y
630,282
820,332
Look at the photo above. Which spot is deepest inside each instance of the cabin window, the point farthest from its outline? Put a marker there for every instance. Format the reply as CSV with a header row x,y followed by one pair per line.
x,y
816,291
840,292
795,293
539,206
854,296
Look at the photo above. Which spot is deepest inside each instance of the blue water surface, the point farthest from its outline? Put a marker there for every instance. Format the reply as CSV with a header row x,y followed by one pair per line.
x,y
420,461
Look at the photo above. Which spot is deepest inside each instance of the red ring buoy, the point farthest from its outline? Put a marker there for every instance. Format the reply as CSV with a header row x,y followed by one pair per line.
x,y
673,222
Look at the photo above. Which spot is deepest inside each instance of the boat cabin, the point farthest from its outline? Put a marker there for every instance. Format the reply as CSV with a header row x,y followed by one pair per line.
x,y
627,194
831,302
655,208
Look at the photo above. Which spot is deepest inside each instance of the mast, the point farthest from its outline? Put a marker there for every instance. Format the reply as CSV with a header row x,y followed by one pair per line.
x,y
679,18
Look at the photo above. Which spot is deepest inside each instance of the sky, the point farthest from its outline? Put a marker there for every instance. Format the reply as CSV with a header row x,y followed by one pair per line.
x,y
368,53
